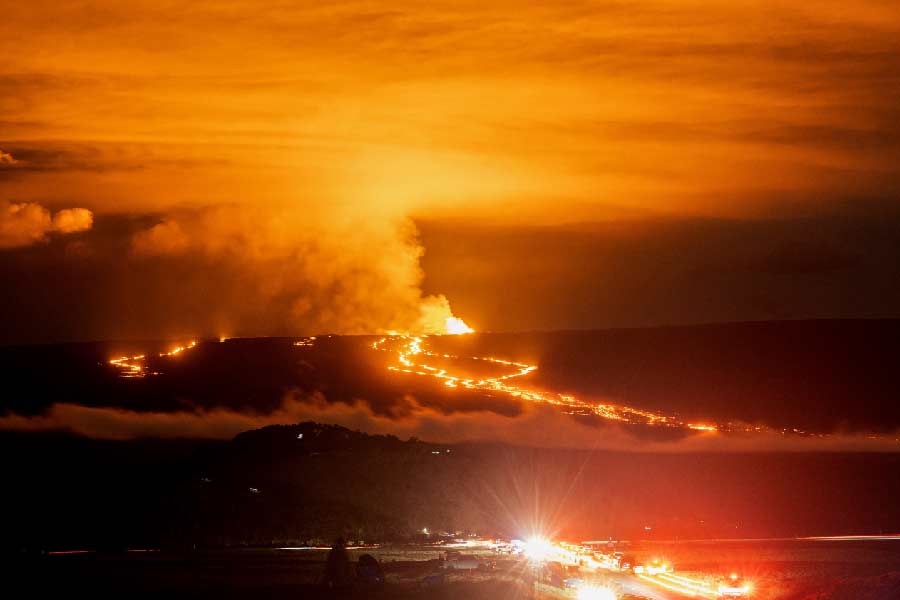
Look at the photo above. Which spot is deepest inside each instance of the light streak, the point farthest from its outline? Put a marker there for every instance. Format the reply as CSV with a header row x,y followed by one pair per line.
x,y
855,538
695,585
538,549
676,587
710,587
592,592
367,546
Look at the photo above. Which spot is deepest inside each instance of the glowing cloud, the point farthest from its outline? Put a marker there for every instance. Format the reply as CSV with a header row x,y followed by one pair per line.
x,y
339,270
71,220
24,224
166,238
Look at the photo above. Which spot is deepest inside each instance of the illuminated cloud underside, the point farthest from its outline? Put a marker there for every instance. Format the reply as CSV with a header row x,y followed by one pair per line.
x,y
295,173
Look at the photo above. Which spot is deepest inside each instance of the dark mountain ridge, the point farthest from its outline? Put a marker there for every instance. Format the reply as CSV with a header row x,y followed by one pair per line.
x,y
820,376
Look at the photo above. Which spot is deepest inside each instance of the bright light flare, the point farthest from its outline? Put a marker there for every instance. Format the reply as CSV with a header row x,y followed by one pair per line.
x,y
735,587
538,549
593,592
456,326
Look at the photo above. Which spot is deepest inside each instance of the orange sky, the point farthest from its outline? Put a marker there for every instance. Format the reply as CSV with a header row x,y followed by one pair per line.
x,y
604,108
282,117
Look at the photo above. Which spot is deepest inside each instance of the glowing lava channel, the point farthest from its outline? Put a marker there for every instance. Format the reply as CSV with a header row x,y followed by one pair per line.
x,y
411,356
136,366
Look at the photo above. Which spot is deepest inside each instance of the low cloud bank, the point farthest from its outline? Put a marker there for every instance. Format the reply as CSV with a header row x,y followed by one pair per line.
x,y
538,426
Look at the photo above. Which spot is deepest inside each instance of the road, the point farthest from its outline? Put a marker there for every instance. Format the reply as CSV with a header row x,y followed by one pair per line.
x,y
636,587
627,587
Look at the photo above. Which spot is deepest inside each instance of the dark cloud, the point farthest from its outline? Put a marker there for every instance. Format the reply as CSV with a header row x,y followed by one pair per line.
x,y
7,160
52,157
804,258
643,272
57,157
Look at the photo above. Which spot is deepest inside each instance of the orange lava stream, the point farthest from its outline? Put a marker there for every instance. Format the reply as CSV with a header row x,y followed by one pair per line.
x,y
136,366
412,354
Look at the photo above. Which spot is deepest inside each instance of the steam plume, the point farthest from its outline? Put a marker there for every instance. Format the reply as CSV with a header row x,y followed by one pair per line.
x,y
326,271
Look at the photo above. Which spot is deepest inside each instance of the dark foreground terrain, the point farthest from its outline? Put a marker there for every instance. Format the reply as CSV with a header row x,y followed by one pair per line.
x,y
244,574
309,483
86,469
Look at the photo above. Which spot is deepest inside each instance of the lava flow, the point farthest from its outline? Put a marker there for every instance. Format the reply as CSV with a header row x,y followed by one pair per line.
x,y
136,366
413,358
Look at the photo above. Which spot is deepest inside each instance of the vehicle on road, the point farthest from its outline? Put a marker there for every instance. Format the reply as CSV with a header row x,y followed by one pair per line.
x,y
656,566
734,586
